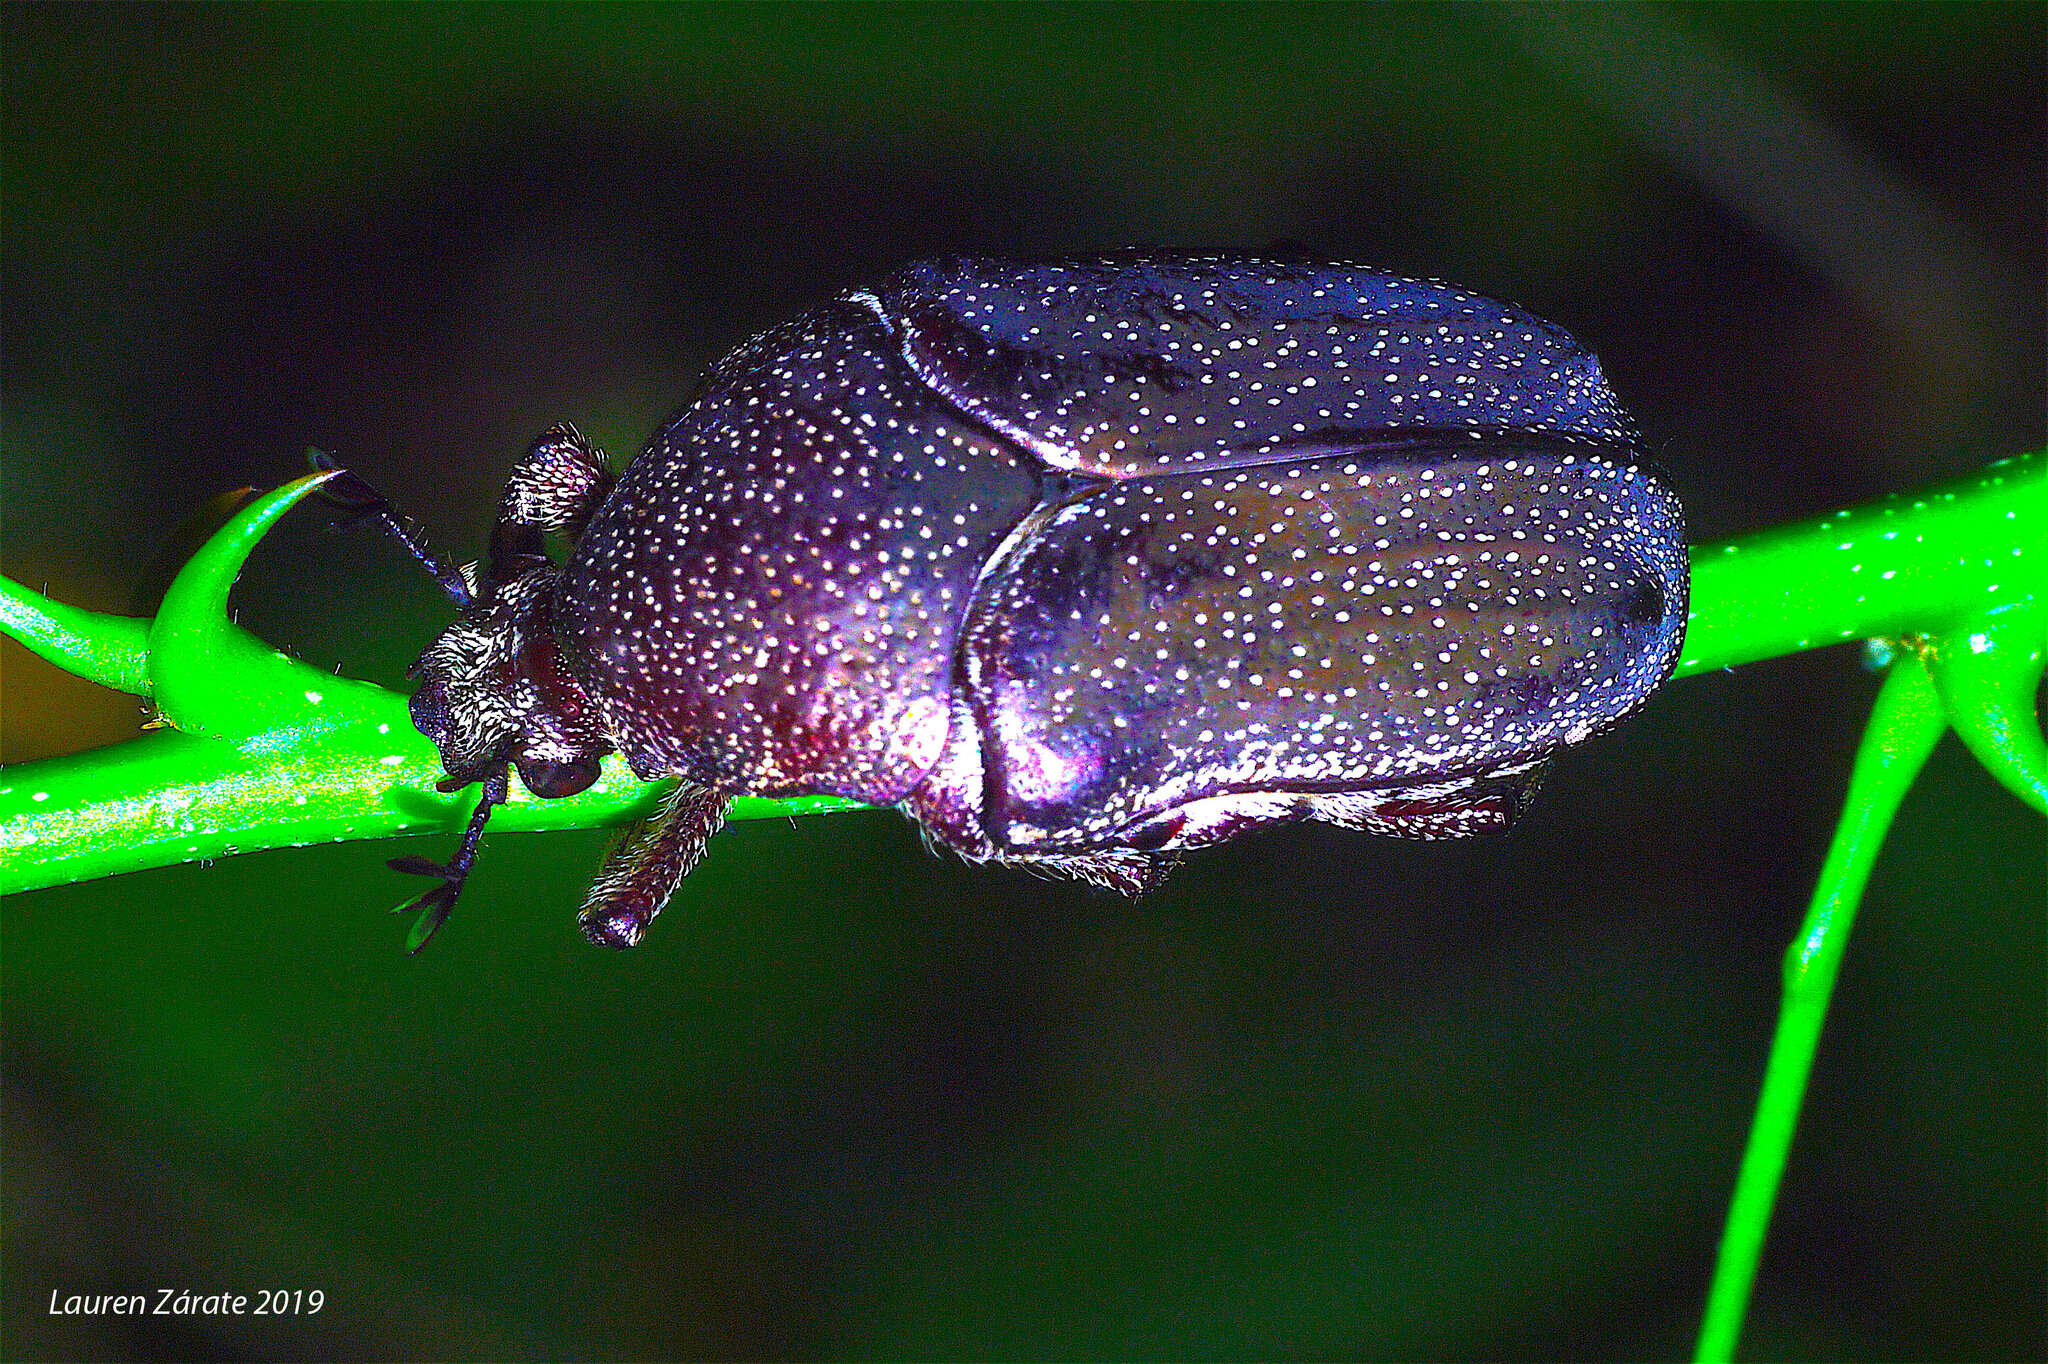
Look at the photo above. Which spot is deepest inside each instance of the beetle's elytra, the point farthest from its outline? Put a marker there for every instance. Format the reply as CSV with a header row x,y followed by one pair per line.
x,y
1079,564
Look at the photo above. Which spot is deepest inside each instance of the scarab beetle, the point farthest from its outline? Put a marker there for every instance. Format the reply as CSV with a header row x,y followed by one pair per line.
x,y
1080,564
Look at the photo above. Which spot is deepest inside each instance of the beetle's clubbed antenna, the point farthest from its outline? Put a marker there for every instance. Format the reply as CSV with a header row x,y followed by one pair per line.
x,y
360,502
648,864
434,905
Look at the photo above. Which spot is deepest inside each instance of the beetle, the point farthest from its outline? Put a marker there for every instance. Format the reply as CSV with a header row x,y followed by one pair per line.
x,y
1078,563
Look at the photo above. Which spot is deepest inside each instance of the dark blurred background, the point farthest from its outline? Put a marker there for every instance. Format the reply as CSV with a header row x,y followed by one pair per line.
x,y
1323,1096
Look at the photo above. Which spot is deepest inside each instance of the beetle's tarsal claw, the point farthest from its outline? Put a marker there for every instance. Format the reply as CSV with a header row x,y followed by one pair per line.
x,y
357,501
433,906
647,865
347,493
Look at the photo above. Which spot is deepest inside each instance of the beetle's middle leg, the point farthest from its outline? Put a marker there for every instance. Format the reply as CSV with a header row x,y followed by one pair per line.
x,y
648,864
1454,809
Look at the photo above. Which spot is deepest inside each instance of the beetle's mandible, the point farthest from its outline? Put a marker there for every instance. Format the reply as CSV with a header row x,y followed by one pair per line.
x,y
1080,564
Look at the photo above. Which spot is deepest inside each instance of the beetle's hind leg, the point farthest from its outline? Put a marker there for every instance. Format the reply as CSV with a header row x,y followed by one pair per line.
x,y
647,865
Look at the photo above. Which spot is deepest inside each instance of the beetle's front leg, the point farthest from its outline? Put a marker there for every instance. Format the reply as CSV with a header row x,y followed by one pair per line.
x,y
553,490
648,864
433,906
361,502
558,484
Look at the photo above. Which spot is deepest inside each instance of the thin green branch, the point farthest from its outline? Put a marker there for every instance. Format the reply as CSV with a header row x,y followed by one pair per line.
x,y
1904,727
1912,563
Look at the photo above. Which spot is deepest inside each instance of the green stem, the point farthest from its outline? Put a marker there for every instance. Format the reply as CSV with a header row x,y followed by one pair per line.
x,y
299,756
169,797
1904,727
1910,563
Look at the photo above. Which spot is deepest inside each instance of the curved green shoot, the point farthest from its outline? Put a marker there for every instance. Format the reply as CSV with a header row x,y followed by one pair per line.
x,y
1904,727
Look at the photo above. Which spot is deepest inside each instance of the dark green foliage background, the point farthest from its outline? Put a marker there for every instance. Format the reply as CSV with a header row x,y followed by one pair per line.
x,y
1321,1097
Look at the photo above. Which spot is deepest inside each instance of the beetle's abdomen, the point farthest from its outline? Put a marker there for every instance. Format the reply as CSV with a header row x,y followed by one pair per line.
x,y
1333,626
1135,363
771,598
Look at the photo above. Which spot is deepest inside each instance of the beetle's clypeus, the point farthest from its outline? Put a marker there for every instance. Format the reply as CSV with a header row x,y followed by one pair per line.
x,y
1079,564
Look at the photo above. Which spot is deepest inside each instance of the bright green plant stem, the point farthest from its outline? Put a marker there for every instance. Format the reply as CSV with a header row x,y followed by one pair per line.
x,y
1904,727
1912,563
264,752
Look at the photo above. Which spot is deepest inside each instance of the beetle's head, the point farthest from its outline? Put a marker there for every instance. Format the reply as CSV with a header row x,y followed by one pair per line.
x,y
494,690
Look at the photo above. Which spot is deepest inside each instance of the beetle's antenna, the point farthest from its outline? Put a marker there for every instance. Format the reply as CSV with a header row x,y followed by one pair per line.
x,y
435,904
362,502
648,864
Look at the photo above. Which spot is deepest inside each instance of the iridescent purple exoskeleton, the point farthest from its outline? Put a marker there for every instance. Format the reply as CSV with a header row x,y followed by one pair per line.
x,y
1080,564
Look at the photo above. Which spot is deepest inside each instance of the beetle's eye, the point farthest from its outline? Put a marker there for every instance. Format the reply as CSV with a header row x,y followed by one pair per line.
x,y
552,780
429,707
